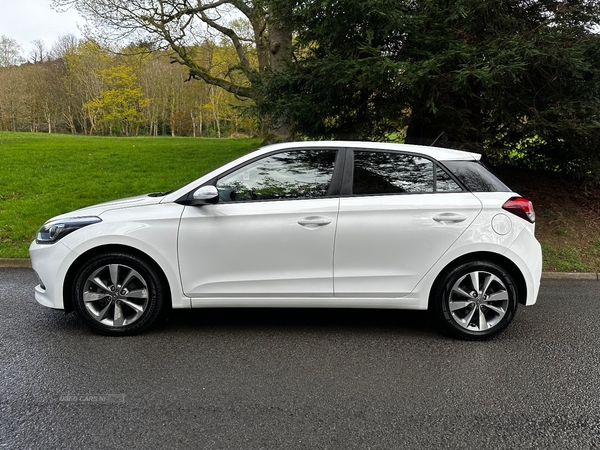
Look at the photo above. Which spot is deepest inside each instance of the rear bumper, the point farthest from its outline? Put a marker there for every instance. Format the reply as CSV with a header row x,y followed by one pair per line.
x,y
526,253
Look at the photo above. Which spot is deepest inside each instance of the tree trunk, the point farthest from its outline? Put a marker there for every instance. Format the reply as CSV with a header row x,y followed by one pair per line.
x,y
70,121
280,46
200,123
280,49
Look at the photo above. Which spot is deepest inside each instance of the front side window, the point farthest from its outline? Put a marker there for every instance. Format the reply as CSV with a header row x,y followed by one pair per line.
x,y
282,176
377,173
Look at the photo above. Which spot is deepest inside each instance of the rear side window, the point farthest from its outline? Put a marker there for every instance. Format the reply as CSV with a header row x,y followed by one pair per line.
x,y
377,173
381,173
475,176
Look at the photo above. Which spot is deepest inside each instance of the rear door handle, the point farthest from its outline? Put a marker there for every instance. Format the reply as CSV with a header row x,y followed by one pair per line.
x,y
314,221
449,217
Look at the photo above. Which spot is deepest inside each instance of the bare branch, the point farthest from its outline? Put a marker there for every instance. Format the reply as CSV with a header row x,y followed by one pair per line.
x,y
199,73
179,25
239,48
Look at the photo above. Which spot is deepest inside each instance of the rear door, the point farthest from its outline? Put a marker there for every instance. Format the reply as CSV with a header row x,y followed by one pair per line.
x,y
397,217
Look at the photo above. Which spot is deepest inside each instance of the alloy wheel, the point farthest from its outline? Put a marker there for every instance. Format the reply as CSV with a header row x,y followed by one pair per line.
x,y
115,295
478,301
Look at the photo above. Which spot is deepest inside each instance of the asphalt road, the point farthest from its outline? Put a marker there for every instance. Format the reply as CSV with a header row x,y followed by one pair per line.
x,y
287,379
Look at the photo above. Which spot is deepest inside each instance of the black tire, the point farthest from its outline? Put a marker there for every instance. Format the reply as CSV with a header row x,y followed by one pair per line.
x,y
118,294
475,313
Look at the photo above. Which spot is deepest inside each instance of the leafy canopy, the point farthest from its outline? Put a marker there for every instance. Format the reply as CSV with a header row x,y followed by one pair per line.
x,y
491,75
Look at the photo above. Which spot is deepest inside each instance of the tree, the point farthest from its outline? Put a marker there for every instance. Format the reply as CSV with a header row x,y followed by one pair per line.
x,y
64,45
119,106
42,95
12,99
38,54
82,83
490,75
10,52
262,47
84,87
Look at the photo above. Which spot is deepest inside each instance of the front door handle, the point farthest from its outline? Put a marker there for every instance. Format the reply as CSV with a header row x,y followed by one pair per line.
x,y
449,217
314,221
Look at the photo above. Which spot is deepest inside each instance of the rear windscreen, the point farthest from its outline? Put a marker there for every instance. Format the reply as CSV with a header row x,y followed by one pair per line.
x,y
475,176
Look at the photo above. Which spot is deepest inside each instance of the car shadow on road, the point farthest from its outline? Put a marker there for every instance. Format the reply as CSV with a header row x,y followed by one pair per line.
x,y
287,320
290,319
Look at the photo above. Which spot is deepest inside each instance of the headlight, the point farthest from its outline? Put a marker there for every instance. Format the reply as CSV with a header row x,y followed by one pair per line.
x,y
55,230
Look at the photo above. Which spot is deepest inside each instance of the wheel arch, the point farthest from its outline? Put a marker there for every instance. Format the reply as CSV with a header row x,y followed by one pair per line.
x,y
496,258
109,248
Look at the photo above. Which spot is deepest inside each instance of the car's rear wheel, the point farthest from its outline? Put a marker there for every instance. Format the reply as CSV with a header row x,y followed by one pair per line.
x,y
118,294
476,300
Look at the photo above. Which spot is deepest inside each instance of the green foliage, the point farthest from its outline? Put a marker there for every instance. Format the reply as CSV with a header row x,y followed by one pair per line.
x,y
45,175
119,105
487,75
342,84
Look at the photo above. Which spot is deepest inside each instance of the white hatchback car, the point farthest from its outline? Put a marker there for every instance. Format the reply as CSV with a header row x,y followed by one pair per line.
x,y
310,224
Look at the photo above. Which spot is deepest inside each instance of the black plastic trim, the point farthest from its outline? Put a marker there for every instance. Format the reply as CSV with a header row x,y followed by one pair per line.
x,y
333,191
349,173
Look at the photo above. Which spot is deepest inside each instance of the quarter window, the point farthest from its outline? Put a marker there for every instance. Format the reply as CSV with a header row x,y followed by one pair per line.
x,y
444,182
475,176
288,175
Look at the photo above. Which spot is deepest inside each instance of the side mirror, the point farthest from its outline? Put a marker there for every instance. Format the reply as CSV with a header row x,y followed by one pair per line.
x,y
205,195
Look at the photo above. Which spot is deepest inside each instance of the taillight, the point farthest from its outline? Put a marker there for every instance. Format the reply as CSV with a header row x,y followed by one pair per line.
x,y
521,207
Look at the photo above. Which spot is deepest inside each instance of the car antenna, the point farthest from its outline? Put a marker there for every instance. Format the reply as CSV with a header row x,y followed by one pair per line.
x,y
437,139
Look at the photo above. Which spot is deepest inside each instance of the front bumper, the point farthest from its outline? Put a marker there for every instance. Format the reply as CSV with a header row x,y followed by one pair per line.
x,y
50,263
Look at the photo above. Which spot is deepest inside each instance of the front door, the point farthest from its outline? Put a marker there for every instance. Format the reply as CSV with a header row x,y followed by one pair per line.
x,y
270,235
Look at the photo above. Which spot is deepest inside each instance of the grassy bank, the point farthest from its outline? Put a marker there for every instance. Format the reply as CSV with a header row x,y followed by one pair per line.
x,y
44,175
567,218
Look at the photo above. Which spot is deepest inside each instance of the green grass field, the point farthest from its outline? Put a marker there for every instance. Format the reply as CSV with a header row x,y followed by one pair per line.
x,y
44,175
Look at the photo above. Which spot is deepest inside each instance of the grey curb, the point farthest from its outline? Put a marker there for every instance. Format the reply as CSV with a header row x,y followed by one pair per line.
x,y
15,263
25,263
570,276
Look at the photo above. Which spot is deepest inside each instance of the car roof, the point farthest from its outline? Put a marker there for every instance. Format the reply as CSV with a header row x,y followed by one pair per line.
x,y
438,153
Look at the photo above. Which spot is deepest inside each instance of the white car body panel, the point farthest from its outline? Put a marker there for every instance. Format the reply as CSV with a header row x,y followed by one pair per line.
x,y
385,244
262,249
125,203
526,253
150,229
52,274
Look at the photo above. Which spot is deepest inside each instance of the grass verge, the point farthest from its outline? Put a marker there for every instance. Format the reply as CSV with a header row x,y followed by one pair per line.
x,y
45,175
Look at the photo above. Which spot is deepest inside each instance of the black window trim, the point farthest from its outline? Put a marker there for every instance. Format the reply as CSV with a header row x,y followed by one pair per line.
x,y
346,190
334,186
342,177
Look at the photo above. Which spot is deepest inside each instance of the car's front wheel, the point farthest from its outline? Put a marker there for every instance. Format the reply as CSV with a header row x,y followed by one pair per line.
x,y
118,294
476,300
